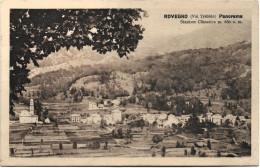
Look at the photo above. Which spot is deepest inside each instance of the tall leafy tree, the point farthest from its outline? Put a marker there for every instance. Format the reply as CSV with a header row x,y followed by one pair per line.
x,y
36,33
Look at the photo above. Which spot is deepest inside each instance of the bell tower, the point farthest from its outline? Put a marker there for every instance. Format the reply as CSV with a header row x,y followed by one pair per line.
x,y
32,106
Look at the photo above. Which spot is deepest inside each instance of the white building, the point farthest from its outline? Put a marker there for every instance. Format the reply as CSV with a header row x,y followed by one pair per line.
x,y
75,118
116,115
231,118
169,103
216,119
202,118
208,116
96,119
28,116
92,105
106,102
242,118
162,116
88,121
47,120
116,102
171,120
84,120
109,119
184,118
150,118
101,106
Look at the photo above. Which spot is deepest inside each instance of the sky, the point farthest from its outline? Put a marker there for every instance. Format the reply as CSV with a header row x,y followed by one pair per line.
x,y
156,25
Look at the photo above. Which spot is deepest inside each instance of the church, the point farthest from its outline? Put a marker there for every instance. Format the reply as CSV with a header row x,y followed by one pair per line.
x,y
28,116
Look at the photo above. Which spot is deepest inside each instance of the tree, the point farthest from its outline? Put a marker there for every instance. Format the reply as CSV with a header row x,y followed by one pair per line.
x,y
227,123
38,108
153,154
236,123
32,151
60,146
113,133
194,125
11,151
219,154
208,135
192,151
73,90
36,33
56,123
157,138
128,135
106,145
163,151
45,113
75,145
209,144
209,103
103,124
245,145
185,152
178,145
232,141
120,133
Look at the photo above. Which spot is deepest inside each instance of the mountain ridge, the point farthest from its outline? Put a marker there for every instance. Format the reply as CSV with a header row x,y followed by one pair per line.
x,y
207,37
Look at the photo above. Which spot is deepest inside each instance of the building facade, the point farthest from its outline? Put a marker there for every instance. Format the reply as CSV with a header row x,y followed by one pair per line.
x,y
75,118
117,115
26,117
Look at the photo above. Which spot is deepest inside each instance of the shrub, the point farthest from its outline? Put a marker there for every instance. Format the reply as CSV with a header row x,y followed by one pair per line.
x,y
203,154
230,155
96,145
153,154
245,145
90,146
157,138
178,145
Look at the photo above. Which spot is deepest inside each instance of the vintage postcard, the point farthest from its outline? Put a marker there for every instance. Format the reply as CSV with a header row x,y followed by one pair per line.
x,y
129,83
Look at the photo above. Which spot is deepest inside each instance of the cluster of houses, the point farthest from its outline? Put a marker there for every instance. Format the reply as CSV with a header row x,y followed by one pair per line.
x,y
110,119
161,120
229,119
164,120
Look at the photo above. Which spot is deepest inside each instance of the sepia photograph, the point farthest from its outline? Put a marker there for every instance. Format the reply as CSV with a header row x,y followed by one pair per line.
x,y
131,82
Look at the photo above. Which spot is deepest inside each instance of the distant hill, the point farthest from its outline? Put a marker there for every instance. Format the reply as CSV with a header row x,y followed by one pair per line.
x,y
176,72
212,36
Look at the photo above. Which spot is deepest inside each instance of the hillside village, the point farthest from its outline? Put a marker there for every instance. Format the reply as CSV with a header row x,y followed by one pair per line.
x,y
102,122
174,105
